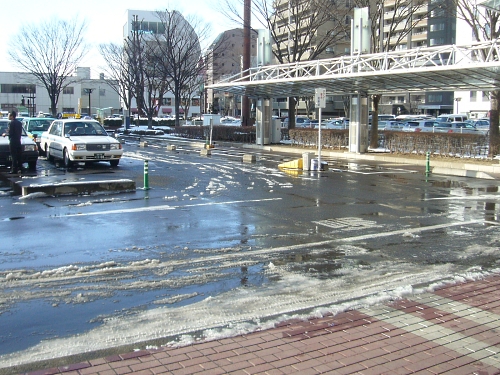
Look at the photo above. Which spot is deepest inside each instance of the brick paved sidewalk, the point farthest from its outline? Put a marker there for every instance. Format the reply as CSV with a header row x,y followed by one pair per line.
x,y
454,330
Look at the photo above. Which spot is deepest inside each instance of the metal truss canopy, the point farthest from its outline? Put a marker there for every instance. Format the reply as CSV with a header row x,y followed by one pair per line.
x,y
475,67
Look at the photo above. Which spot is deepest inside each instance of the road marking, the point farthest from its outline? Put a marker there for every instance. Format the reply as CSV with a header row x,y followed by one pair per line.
x,y
409,230
349,223
165,207
466,197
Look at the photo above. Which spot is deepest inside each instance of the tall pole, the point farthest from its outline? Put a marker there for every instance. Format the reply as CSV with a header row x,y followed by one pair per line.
x,y
245,103
89,91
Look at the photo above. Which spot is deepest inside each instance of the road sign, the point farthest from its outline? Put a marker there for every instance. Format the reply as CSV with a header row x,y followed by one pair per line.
x,y
320,98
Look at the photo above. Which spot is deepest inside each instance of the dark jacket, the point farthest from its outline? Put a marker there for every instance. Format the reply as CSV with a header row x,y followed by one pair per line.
x,y
15,131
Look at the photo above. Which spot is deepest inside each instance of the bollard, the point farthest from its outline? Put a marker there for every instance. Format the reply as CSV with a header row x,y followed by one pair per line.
x,y
427,163
146,175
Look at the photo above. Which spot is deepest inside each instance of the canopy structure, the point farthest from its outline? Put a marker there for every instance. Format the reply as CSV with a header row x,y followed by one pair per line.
x,y
490,4
474,67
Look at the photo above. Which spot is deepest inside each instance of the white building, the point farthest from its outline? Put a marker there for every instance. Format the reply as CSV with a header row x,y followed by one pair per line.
x,y
22,92
149,22
475,104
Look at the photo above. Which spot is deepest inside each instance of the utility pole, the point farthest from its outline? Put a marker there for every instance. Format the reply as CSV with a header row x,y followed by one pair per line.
x,y
245,103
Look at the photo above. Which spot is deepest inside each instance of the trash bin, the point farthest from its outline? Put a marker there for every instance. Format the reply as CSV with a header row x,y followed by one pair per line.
x,y
306,160
314,165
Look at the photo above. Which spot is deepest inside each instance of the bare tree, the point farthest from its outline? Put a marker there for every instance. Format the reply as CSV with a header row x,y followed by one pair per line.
x,y
118,74
485,25
134,48
178,52
51,51
388,33
221,47
301,30
154,80
188,91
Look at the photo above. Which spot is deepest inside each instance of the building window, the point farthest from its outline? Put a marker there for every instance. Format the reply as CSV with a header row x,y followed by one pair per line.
x,y
167,101
435,98
437,27
69,90
17,89
473,96
68,110
438,12
102,92
436,41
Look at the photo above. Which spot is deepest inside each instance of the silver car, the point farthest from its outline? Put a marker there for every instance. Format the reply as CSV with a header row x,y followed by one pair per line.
x,y
424,126
83,141
458,127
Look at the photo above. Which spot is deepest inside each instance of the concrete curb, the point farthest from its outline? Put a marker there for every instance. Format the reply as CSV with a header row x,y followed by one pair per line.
x,y
76,187
462,173
452,167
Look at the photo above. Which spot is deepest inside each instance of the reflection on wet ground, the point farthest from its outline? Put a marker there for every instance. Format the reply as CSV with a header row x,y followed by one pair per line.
x,y
233,242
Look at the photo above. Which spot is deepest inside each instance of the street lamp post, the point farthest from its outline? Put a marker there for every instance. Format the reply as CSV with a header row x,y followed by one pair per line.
x,y
31,103
457,100
89,91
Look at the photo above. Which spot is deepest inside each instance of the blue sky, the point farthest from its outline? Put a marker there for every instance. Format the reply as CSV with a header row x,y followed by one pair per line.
x,y
105,20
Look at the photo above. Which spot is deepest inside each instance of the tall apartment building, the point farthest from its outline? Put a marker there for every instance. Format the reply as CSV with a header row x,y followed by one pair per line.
x,y
330,32
147,24
434,24
225,59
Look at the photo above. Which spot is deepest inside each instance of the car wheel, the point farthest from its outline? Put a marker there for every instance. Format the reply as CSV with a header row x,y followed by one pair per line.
x,y
49,156
32,165
114,163
67,162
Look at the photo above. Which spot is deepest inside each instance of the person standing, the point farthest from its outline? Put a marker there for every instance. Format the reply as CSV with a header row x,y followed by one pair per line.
x,y
14,132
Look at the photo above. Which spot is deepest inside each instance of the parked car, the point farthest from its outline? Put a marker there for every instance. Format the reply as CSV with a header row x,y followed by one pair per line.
x,y
227,120
390,125
381,118
336,123
483,125
300,122
404,118
429,126
75,140
230,122
35,126
29,151
451,118
458,127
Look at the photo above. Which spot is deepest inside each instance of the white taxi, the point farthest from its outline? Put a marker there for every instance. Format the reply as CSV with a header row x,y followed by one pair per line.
x,y
80,141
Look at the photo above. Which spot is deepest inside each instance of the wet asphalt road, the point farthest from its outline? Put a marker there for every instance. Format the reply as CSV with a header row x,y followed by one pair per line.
x,y
215,227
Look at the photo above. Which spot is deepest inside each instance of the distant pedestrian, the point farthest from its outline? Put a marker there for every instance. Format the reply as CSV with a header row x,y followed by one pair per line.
x,y
14,132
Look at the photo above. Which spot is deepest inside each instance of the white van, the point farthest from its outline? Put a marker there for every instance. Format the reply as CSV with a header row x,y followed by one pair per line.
x,y
451,118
